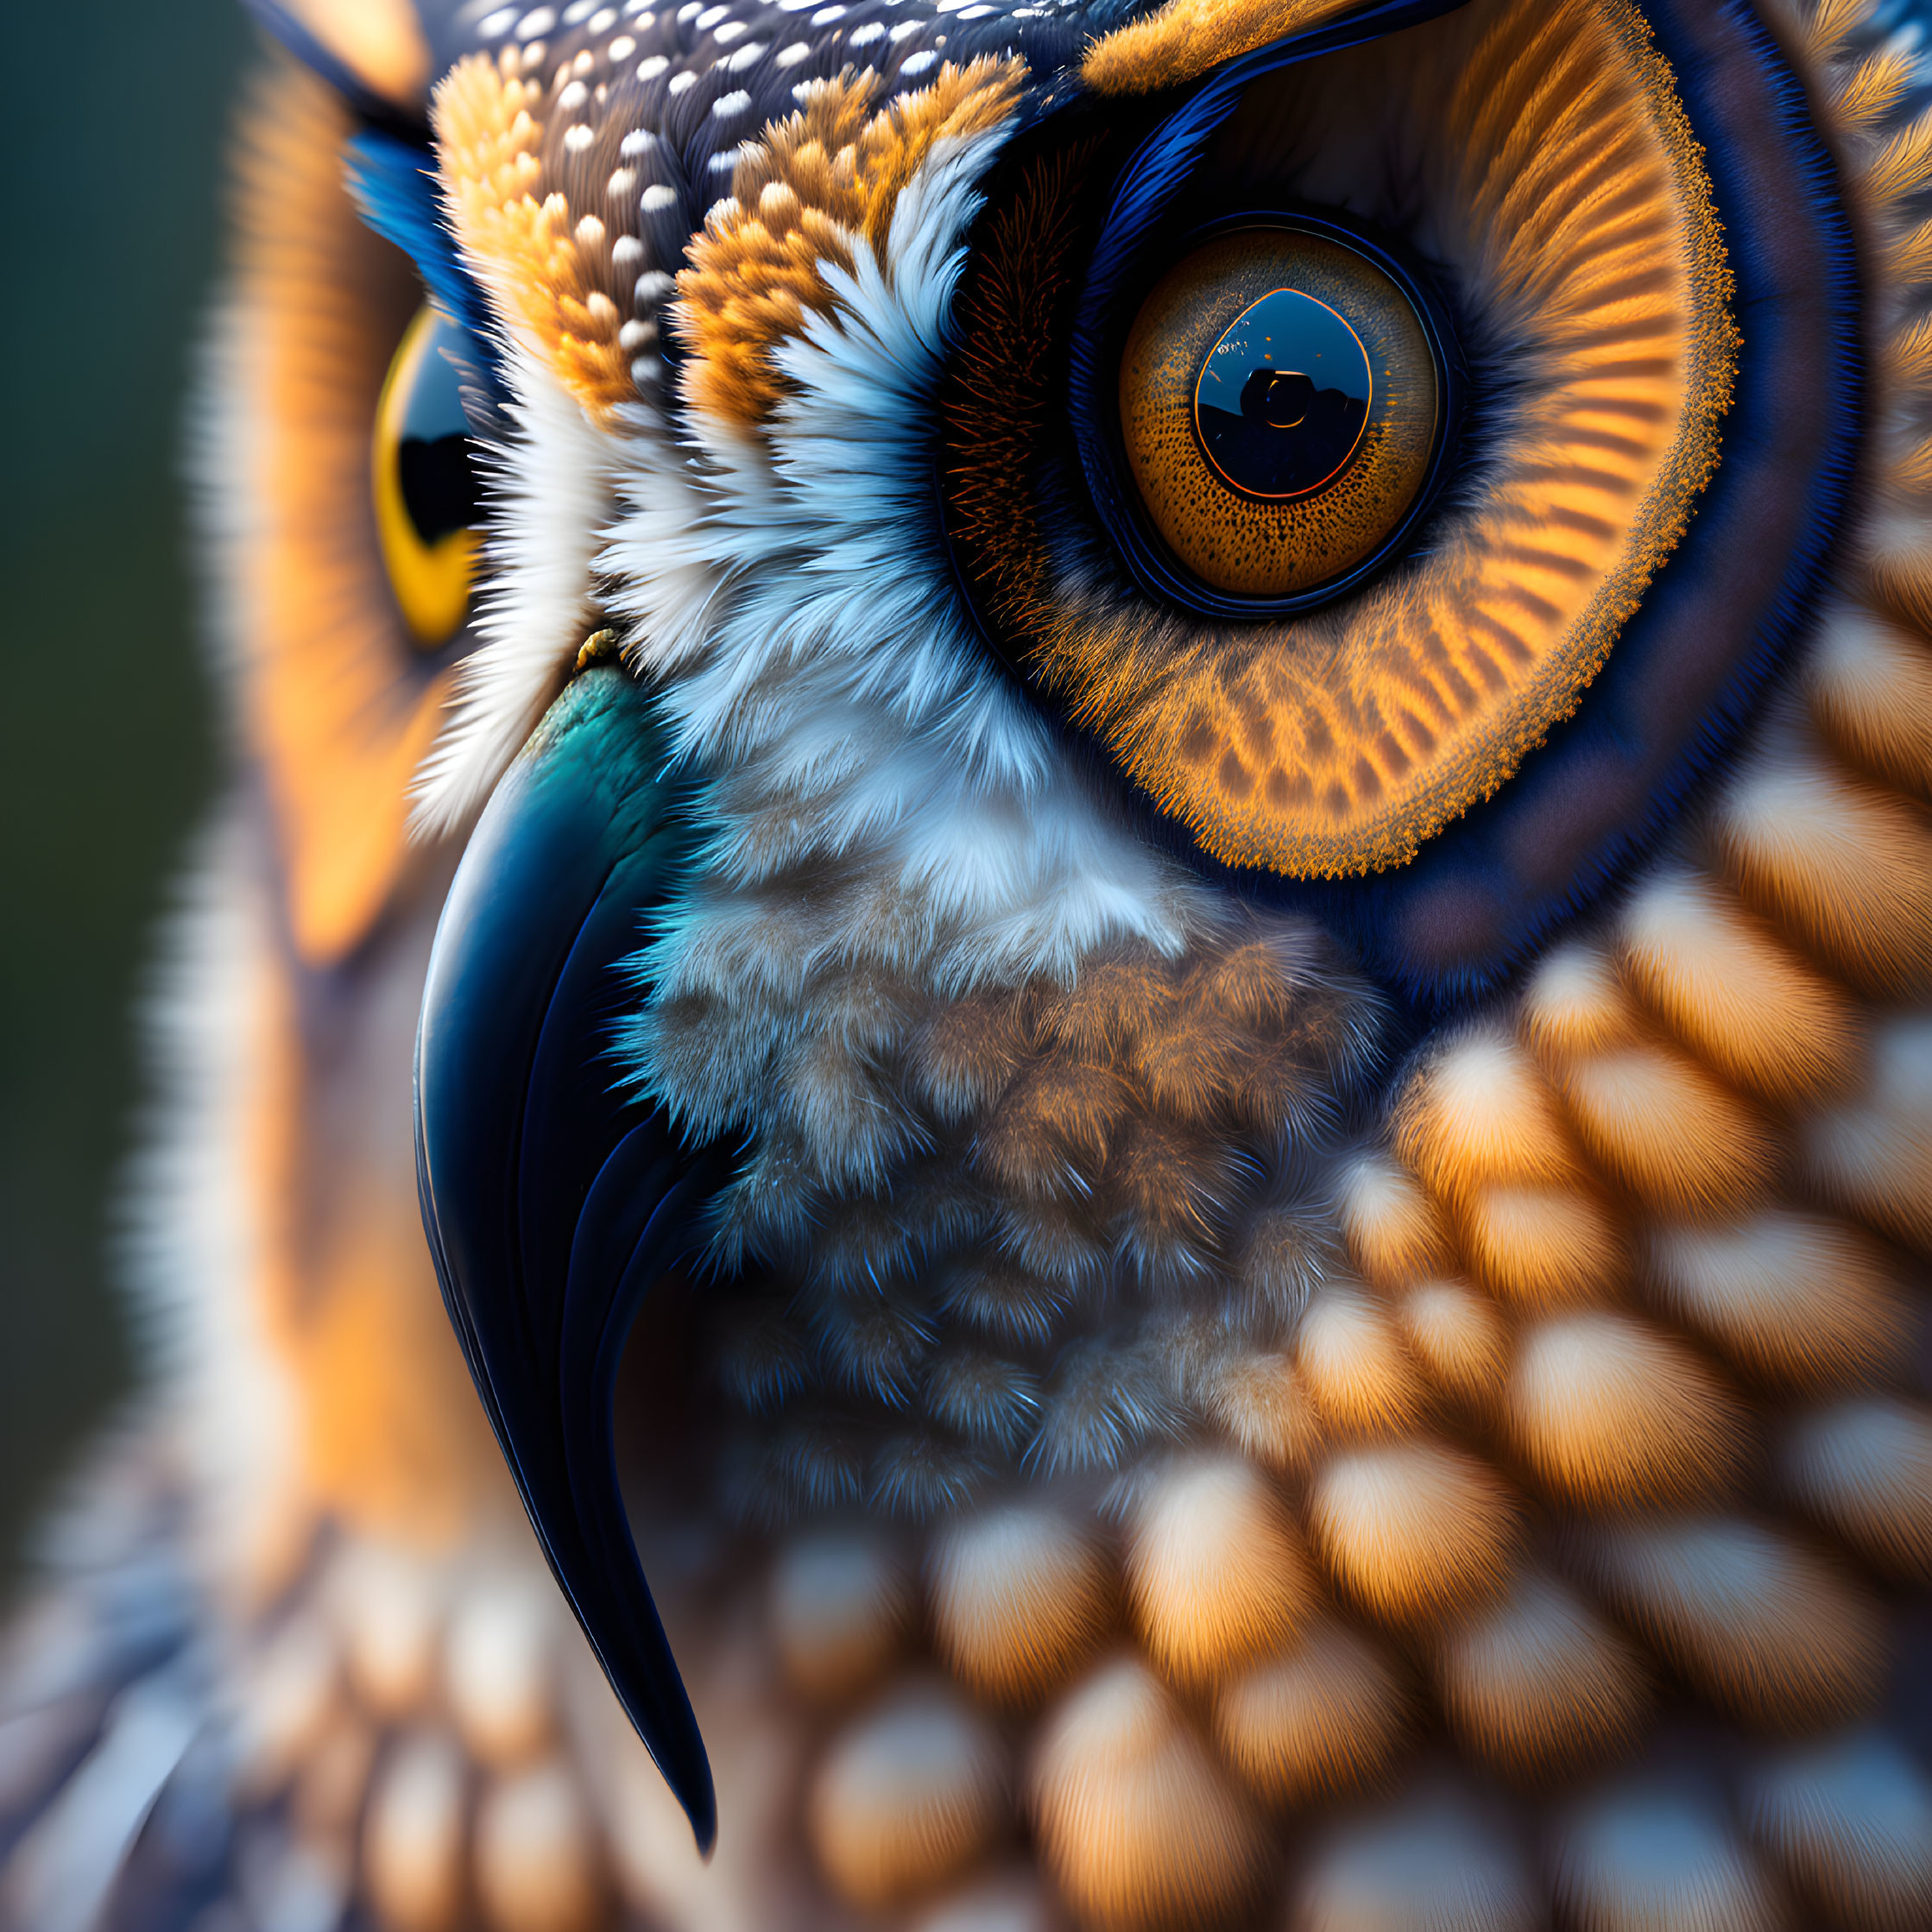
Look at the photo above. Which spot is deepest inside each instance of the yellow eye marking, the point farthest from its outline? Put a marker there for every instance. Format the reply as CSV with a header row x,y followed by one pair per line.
x,y
421,479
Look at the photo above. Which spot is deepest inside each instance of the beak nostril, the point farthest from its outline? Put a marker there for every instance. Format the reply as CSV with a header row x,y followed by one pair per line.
x,y
601,646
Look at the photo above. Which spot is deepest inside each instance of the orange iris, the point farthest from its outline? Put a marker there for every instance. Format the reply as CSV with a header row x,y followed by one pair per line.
x,y
1279,409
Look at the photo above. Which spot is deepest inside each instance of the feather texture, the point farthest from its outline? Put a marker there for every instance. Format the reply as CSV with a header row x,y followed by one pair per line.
x,y
1201,1402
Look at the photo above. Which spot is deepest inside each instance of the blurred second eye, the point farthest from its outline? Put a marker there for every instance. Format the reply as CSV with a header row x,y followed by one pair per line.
x,y
424,482
1280,406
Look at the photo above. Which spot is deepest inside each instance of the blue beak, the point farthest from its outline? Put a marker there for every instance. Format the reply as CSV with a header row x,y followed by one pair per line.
x,y
553,1197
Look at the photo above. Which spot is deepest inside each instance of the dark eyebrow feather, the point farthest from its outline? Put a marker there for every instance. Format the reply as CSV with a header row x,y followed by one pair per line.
x,y
393,186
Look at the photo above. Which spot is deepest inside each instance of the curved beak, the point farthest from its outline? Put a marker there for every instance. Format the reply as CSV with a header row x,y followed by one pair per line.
x,y
553,1197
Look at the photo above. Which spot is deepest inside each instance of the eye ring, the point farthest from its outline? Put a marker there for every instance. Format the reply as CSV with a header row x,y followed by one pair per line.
x,y
1107,439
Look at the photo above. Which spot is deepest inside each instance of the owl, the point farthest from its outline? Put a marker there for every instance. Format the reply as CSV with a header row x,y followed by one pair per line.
x,y
1097,837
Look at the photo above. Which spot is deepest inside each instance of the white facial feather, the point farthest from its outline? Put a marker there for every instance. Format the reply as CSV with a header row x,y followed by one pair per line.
x,y
789,594
192,1239
551,488
792,596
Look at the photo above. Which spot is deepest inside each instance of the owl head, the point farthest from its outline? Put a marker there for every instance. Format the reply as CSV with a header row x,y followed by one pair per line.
x,y
1189,745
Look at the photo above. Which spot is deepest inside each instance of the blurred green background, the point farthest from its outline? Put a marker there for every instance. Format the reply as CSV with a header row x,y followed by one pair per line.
x,y
106,745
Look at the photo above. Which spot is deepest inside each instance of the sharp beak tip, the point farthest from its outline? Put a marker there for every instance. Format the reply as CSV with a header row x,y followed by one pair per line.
x,y
552,1202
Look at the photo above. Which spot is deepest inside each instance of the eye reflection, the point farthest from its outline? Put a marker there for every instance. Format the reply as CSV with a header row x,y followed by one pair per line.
x,y
1284,397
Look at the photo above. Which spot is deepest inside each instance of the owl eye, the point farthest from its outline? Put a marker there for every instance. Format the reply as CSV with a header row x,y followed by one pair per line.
x,y
1282,401
426,484
1442,682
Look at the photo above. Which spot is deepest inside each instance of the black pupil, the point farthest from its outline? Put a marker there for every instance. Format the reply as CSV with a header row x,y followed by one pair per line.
x,y
434,461
1282,400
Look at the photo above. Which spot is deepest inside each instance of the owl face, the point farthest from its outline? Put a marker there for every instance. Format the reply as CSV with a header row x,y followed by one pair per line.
x,y
1189,745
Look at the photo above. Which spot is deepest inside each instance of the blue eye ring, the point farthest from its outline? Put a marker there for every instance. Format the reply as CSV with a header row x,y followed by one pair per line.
x,y
1095,418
